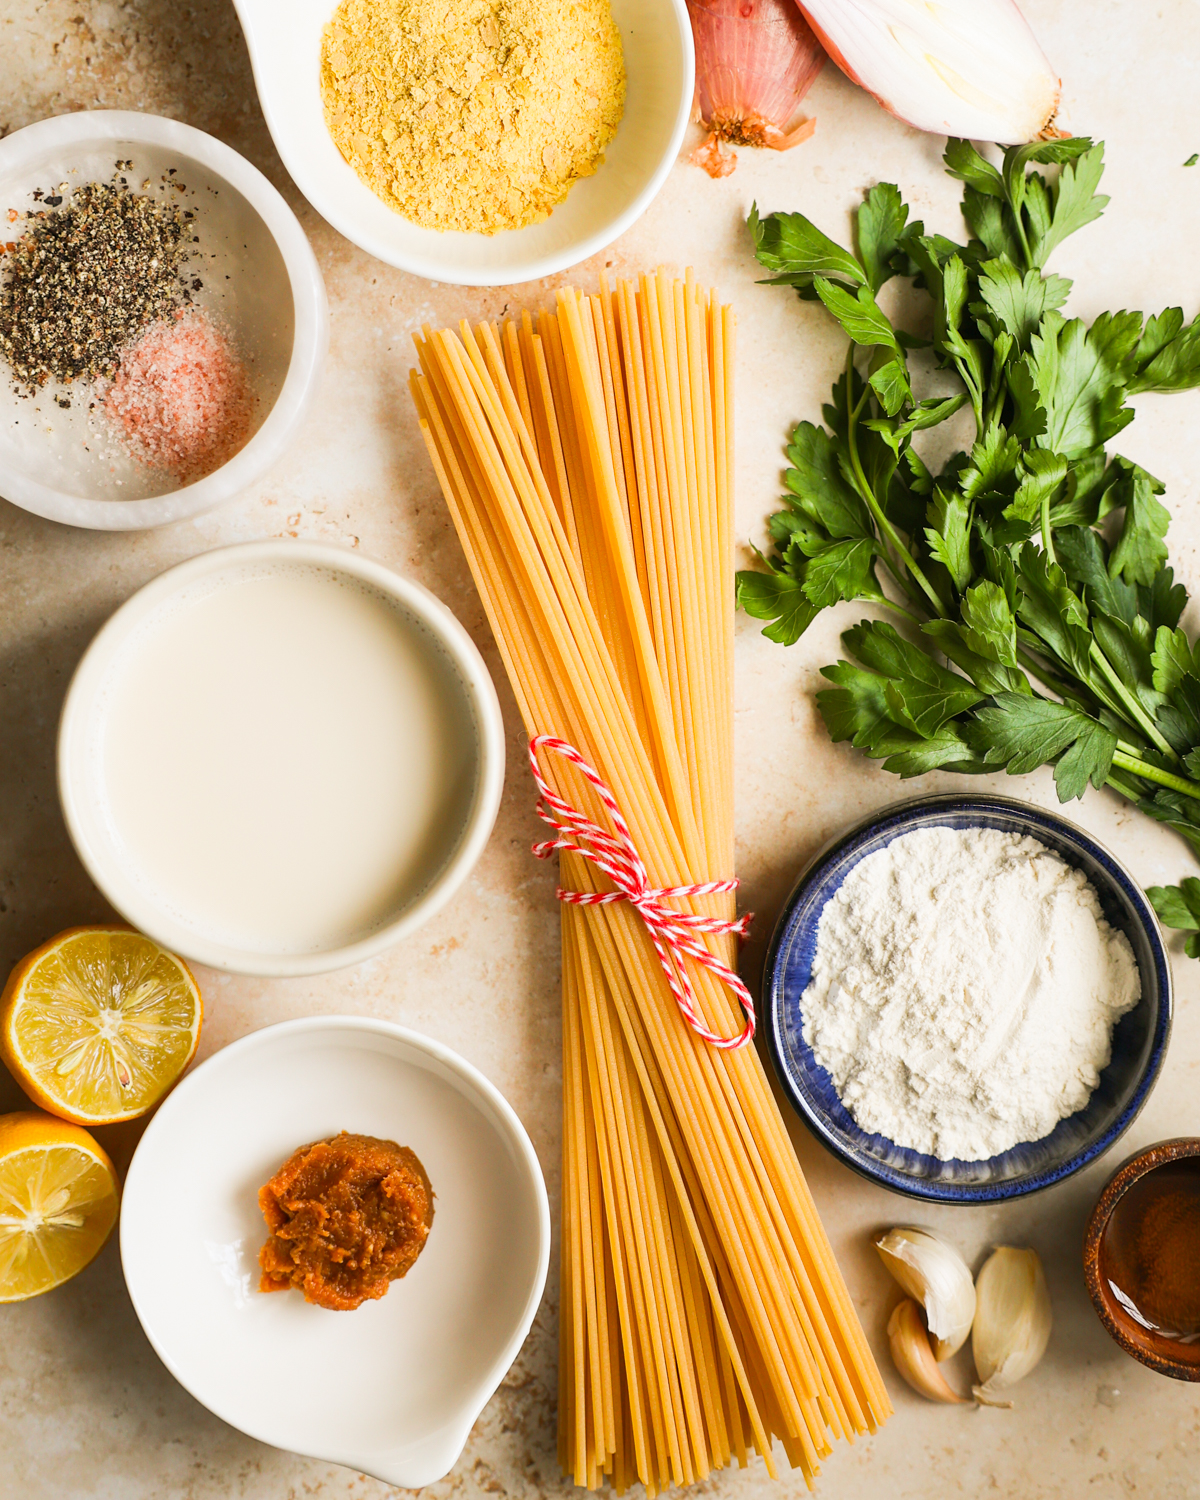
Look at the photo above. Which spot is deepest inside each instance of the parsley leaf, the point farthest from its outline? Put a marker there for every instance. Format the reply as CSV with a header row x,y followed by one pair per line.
x,y
989,626
841,571
1173,659
792,245
859,315
1031,566
994,461
1140,549
889,380
817,483
1052,611
1019,303
1042,474
777,597
1081,551
1179,906
928,413
1075,199
964,162
880,224
1023,733
1175,364
1164,601
877,714
949,534
1078,386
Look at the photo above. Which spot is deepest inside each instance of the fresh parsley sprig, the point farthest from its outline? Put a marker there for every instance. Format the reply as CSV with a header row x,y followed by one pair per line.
x,y
1039,617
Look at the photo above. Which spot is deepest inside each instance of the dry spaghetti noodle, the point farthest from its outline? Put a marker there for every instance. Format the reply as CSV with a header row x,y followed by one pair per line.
x,y
586,455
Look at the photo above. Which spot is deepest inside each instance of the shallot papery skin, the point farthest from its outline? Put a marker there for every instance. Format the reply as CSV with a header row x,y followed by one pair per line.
x,y
755,61
969,68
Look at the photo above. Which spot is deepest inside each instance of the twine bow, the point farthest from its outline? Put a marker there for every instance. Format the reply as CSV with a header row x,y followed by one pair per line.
x,y
672,932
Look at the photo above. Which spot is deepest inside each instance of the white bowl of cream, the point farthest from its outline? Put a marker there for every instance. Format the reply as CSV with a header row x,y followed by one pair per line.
x,y
279,758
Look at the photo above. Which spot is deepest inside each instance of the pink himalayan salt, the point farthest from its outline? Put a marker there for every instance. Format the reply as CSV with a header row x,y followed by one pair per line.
x,y
182,398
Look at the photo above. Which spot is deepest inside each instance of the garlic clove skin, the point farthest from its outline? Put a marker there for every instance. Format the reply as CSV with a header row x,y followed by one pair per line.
x,y
932,1271
970,68
913,1356
1013,1320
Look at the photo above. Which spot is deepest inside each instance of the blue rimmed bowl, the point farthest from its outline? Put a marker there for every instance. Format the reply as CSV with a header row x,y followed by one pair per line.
x,y
1139,1039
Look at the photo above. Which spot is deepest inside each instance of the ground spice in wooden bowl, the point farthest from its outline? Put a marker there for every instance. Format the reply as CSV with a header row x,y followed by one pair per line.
x,y
477,114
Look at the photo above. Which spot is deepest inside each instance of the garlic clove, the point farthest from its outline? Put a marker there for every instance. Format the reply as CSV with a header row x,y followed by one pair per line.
x,y
932,1271
970,68
913,1356
1012,1321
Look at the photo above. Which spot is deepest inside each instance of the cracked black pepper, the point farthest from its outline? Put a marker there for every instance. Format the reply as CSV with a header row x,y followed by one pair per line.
x,y
87,277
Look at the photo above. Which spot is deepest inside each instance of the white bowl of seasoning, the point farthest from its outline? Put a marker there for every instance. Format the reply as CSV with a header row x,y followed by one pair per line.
x,y
279,758
392,1388
252,274
656,36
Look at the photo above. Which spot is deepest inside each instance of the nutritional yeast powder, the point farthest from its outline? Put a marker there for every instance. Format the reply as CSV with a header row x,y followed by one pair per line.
x,y
472,114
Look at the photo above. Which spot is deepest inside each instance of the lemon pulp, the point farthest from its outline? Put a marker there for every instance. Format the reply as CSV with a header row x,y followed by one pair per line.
x,y
58,1203
98,1023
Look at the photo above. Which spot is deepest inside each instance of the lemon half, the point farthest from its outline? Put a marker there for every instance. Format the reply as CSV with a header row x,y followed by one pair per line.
x,y
98,1023
58,1202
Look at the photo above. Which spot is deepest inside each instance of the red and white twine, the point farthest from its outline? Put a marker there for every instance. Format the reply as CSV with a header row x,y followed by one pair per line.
x,y
672,932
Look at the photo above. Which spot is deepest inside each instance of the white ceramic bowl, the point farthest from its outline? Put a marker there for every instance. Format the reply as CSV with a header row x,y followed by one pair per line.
x,y
181,897
260,280
285,49
393,1387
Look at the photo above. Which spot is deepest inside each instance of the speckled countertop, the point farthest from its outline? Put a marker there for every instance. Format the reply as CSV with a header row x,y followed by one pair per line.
x,y
86,1410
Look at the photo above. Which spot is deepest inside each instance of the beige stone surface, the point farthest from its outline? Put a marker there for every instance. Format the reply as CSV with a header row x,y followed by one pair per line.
x,y
86,1410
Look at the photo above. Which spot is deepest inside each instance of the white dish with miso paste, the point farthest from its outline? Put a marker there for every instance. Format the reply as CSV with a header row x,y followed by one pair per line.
x,y
278,758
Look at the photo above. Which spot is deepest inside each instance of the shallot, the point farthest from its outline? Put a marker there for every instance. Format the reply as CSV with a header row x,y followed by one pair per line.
x,y
755,61
969,68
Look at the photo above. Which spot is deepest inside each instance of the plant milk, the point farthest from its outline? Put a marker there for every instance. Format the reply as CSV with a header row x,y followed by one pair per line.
x,y
288,758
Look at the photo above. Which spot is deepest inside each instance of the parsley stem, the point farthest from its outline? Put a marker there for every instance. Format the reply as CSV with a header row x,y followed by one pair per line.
x,y
1047,533
1022,236
1148,772
974,395
1131,705
1119,782
1041,673
900,609
888,531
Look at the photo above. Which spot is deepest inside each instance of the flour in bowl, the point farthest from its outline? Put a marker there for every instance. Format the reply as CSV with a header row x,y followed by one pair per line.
x,y
964,991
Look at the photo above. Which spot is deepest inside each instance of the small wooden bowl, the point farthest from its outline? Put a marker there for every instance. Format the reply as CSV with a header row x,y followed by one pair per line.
x,y
1183,1363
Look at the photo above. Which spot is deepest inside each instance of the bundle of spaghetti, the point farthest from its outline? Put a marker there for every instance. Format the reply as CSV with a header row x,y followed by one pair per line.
x,y
586,456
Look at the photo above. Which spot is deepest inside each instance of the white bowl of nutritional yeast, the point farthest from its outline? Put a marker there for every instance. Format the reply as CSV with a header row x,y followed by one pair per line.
x,y
279,758
656,36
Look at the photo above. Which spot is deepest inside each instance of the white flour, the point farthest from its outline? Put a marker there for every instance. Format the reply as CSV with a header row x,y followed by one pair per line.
x,y
964,991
